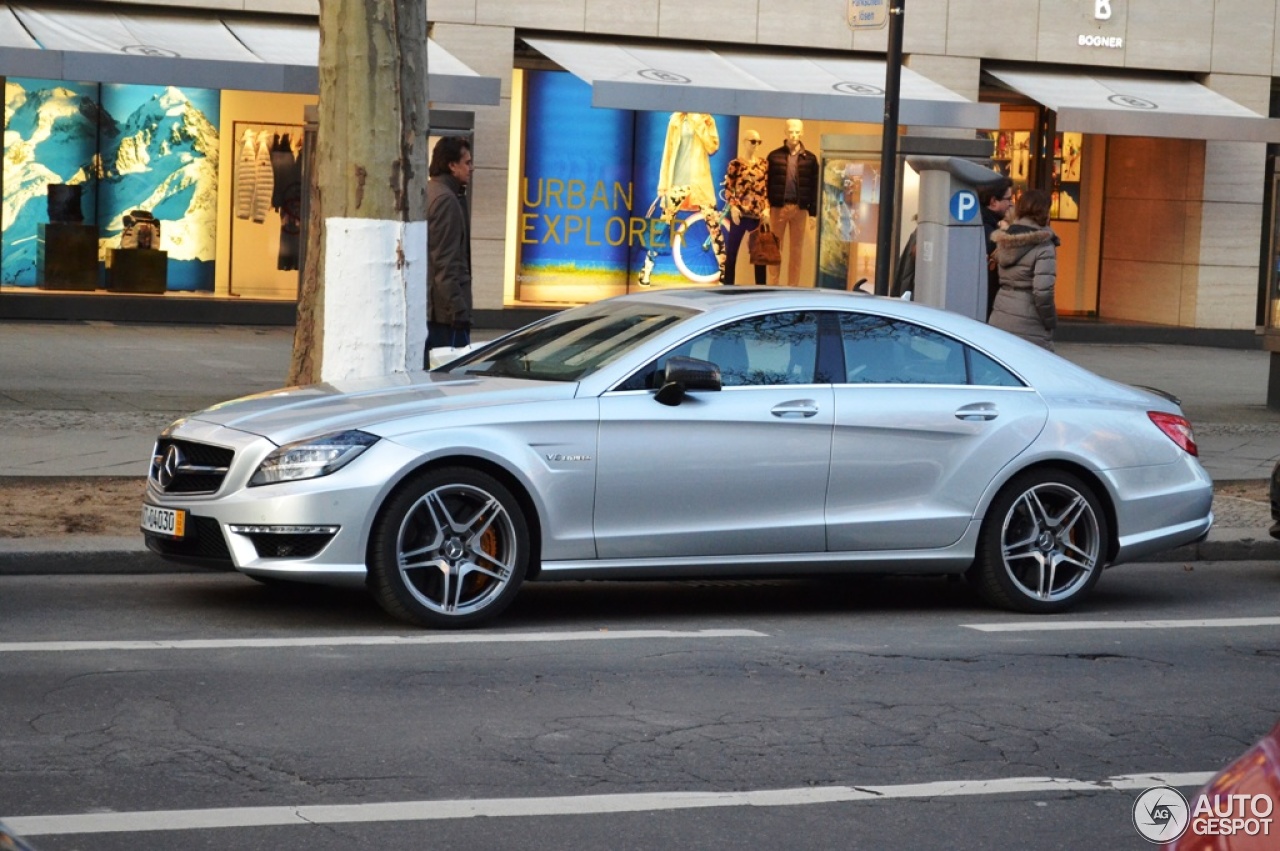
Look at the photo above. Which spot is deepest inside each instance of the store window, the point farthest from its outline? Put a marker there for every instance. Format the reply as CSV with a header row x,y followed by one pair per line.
x,y
1013,155
631,200
140,154
609,201
151,189
850,222
1060,163
266,176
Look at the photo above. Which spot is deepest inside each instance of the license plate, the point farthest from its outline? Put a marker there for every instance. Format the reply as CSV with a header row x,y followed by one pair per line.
x,y
171,522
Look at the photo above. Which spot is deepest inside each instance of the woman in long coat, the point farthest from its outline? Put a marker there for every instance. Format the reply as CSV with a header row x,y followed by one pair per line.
x,y
1027,260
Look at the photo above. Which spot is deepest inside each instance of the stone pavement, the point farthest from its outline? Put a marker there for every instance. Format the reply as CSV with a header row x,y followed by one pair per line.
x,y
88,398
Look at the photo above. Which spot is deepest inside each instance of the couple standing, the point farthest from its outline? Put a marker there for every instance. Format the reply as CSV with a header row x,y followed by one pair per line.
x,y
1023,263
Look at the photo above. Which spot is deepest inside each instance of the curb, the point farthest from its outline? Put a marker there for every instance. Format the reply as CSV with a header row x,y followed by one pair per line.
x,y
128,556
77,555
1223,545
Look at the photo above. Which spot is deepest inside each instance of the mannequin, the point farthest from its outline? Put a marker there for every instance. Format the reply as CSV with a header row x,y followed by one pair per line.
x,y
686,161
684,178
793,199
745,189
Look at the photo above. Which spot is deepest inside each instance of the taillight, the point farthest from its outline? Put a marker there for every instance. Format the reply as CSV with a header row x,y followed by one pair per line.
x,y
1177,428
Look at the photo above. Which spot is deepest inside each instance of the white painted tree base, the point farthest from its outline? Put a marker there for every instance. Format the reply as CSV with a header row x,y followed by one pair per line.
x,y
375,298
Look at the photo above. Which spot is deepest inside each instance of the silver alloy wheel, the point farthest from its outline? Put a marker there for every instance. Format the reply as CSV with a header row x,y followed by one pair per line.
x,y
457,549
1051,542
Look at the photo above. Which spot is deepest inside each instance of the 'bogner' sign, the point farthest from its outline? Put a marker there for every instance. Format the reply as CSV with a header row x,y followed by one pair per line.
x,y
1101,12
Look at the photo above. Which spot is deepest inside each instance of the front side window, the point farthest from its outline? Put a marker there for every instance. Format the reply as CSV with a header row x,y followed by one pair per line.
x,y
777,348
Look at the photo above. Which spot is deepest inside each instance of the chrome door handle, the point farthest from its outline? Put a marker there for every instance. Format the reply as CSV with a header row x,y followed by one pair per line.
x,y
798,408
981,412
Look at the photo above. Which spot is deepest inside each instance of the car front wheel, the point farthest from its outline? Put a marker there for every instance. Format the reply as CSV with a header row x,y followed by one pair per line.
x,y
450,549
1042,544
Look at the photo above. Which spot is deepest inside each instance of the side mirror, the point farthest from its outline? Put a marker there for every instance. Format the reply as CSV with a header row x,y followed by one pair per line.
x,y
683,375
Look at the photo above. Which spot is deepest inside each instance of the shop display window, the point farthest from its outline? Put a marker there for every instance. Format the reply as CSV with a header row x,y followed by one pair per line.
x,y
143,189
266,226
1063,164
850,222
1014,157
130,148
608,201
632,201
51,139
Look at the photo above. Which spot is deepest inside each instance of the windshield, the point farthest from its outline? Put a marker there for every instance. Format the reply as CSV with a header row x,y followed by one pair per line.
x,y
572,344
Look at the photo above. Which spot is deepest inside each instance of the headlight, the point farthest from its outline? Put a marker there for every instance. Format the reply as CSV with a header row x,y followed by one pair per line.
x,y
310,459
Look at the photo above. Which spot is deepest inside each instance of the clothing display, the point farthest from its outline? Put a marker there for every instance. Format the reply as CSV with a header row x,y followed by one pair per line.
x,y
805,177
746,188
246,177
286,199
268,177
789,223
263,178
686,158
793,191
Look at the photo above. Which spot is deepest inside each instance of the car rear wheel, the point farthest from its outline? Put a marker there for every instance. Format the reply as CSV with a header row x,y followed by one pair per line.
x,y
1042,543
450,549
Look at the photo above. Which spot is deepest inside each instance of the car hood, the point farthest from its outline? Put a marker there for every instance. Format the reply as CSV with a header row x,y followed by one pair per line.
x,y
295,413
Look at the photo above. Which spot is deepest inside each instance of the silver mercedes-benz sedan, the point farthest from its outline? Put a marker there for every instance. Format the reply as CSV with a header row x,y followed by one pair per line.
x,y
744,431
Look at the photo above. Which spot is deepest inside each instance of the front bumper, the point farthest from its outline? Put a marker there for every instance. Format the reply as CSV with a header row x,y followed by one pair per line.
x,y
234,527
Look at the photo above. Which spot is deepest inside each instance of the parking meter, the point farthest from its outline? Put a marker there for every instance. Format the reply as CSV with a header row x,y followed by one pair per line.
x,y
951,246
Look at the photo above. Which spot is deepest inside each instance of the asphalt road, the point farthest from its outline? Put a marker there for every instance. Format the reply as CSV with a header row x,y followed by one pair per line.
x,y
207,711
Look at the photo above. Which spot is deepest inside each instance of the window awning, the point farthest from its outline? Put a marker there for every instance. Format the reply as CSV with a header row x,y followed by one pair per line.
x,y
1135,105
202,49
664,78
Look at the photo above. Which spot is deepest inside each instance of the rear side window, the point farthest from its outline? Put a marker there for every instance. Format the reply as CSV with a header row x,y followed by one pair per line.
x,y
880,350
984,371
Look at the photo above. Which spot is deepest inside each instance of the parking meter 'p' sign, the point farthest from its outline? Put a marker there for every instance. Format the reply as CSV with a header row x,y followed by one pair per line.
x,y
964,205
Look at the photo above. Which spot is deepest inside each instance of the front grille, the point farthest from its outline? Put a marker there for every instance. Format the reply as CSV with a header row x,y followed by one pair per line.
x,y
289,546
202,544
182,466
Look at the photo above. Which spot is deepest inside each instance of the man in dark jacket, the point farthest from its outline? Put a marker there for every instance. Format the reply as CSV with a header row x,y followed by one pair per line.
x,y
995,202
448,245
793,198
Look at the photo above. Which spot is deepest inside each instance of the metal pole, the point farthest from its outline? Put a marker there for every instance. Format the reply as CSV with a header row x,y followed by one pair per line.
x,y
889,147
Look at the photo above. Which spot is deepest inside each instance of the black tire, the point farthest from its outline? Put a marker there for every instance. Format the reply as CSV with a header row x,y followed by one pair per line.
x,y
450,549
1043,544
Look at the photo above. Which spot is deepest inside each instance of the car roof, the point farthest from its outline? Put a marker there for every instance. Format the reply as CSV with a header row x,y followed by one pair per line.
x,y
704,298
735,299
1040,367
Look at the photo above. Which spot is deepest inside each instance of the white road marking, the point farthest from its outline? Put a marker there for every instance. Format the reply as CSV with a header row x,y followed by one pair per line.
x,y
569,805
1066,626
372,640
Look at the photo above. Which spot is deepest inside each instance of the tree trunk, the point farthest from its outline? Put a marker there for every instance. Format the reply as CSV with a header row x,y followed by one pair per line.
x,y
365,282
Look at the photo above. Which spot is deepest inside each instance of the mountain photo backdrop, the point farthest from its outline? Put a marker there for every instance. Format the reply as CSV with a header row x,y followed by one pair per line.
x,y
134,147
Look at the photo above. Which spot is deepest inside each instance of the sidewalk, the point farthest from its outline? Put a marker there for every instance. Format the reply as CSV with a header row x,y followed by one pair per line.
x,y
87,399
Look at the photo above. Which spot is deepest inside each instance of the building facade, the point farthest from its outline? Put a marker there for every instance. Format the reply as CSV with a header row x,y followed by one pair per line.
x,y
1150,123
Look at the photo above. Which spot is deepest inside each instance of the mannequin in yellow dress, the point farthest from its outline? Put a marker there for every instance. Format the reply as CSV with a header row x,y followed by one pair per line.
x,y
684,178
